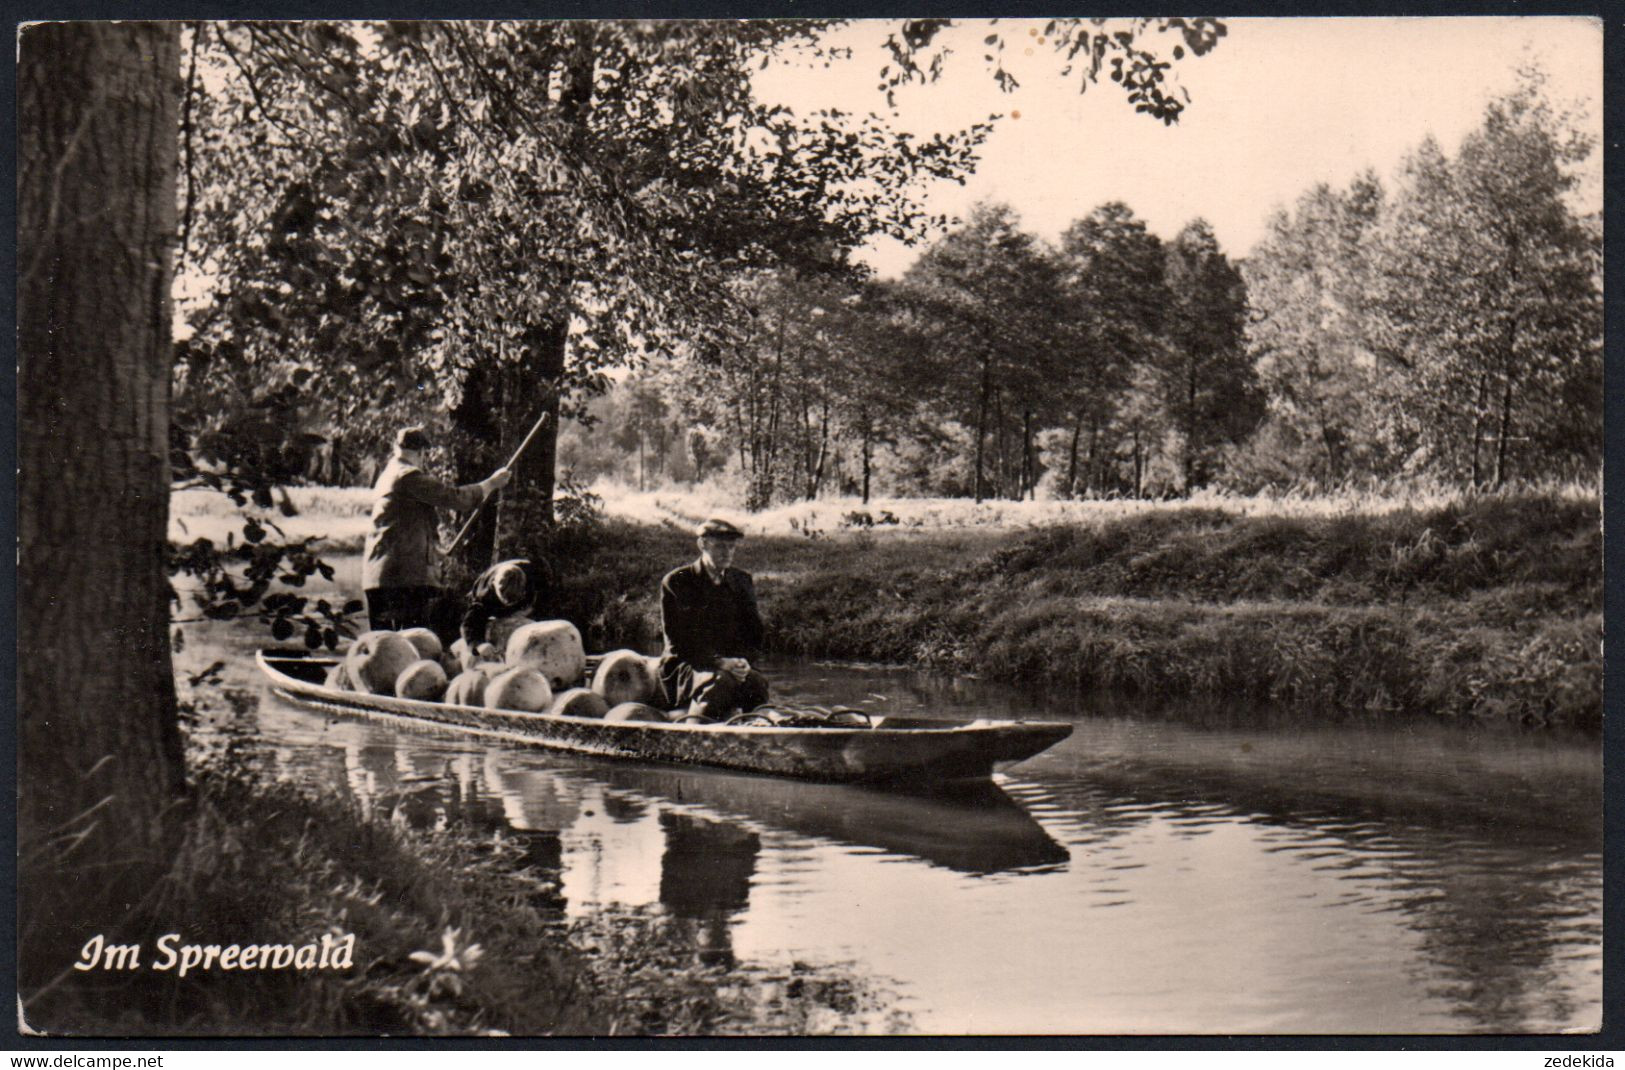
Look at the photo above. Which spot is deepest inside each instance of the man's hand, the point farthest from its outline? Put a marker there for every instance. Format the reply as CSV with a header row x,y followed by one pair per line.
x,y
738,668
498,479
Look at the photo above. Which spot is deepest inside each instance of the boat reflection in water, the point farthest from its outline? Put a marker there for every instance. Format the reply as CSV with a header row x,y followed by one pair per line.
x,y
685,842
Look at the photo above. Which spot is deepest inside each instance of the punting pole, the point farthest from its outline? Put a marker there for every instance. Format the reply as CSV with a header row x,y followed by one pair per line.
x,y
468,524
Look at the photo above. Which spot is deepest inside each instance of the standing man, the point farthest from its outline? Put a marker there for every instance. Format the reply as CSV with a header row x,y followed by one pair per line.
x,y
398,568
711,625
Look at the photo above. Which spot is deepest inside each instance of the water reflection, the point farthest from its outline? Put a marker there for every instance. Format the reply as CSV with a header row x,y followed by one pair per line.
x,y
1489,856
975,828
1205,871
705,879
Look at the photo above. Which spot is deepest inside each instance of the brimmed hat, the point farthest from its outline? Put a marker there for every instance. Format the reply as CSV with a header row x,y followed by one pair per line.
x,y
413,438
717,528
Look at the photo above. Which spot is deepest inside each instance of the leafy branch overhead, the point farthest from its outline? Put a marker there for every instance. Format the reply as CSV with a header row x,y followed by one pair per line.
x,y
1137,53
403,202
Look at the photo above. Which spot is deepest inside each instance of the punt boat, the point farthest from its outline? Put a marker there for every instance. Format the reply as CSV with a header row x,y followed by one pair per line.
x,y
901,750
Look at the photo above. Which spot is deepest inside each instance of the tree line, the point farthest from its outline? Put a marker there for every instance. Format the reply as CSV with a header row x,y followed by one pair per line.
x,y
1445,326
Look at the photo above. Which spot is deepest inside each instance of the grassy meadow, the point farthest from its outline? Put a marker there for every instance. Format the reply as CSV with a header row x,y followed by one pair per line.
x,y
1478,608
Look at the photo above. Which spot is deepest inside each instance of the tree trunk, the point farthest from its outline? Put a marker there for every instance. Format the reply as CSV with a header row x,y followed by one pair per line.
x,y
868,448
1091,464
767,453
1505,434
1506,401
981,424
1001,465
823,453
478,416
526,505
1478,427
99,746
1029,474
1072,459
1187,459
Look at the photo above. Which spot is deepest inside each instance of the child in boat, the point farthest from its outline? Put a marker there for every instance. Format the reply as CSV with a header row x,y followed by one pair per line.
x,y
504,598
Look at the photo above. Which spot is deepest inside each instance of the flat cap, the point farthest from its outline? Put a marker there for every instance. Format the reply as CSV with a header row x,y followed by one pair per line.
x,y
413,438
717,528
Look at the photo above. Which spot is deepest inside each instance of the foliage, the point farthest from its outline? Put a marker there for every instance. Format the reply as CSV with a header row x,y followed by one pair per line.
x,y
1308,283
1131,49
981,307
1208,385
457,932
1490,304
1444,326
466,221
1117,302
408,220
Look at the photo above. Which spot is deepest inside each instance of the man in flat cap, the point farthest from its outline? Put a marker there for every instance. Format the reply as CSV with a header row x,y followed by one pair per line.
x,y
397,570
712,628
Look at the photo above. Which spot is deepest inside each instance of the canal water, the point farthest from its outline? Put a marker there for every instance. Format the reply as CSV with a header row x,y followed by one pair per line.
x,y
1165,870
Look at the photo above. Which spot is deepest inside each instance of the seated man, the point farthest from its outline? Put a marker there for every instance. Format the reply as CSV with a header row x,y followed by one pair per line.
x,y
711,625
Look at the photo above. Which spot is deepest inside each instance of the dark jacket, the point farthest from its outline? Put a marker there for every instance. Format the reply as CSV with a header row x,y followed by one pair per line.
x,y
703,621
486,607
401,545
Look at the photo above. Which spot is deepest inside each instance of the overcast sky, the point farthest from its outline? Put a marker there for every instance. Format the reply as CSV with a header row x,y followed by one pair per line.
x,y
1279,105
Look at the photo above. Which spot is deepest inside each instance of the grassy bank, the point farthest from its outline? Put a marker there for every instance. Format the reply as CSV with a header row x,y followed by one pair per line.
x,y
456,933
1473,607
1484,608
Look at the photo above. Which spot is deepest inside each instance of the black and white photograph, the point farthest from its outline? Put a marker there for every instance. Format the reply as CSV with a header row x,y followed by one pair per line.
x,y
802,528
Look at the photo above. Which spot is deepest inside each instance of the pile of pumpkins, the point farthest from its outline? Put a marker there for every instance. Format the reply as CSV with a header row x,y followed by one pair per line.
x,y
542,670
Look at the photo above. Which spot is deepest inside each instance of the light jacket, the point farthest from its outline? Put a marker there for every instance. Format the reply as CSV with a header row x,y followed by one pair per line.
x,y
401,545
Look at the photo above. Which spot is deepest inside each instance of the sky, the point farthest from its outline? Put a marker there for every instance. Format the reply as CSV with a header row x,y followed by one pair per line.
x,y
1278,106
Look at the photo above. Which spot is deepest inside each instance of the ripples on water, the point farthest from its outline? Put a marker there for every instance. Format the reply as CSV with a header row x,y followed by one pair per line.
x,y
1168,871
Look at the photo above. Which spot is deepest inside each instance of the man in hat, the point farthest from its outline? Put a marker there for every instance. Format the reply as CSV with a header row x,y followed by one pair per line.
x,y
397,570
711,625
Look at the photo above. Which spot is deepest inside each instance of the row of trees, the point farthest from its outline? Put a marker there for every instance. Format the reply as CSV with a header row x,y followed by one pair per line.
x,y
388,222
1453,327
1449,328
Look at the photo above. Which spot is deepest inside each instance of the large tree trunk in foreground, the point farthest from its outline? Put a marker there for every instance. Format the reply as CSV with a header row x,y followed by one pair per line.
x,y
99,747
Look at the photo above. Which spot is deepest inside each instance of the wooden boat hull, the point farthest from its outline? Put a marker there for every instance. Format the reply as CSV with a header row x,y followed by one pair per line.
x,y
893,750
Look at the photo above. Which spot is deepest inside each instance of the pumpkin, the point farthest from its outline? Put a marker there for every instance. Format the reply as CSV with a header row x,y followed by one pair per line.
x,y
551,647
427,643
579,702
467,688
635,711
626,676
424,680
519,688
377,659
501,629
